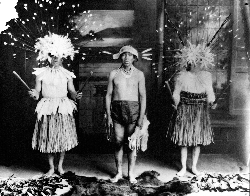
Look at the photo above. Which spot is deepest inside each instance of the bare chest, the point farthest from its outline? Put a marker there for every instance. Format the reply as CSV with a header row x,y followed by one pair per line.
x,y
121,81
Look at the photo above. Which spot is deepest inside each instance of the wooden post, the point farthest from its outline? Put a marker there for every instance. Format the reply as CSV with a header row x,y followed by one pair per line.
x,y
160,42
246,133
247,26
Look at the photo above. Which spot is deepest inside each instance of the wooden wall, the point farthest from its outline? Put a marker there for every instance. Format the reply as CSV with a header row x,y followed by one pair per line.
x,y
91,107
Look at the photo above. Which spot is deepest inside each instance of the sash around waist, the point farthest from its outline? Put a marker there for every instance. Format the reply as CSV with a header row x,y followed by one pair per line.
x,y
53,105
193,98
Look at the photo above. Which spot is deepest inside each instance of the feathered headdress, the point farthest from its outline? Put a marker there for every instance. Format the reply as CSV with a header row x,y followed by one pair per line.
x,y
201,53
54,45
192,54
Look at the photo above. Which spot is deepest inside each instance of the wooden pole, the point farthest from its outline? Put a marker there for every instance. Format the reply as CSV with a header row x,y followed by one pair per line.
x,y
246,10
160,42
247,19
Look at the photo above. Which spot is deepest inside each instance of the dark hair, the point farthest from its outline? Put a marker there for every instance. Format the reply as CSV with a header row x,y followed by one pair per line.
x,y
188,68
135,57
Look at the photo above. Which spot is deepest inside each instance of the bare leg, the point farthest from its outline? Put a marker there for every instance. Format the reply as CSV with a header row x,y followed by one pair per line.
x,y
119,135
131,157
60,163
195,157
51,164
131,166
118,161
183,161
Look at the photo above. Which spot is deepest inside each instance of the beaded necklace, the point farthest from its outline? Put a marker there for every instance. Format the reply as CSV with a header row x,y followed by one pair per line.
x,y
127,73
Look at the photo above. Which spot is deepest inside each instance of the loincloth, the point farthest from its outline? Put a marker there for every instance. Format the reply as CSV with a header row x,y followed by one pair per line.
x,y
125,112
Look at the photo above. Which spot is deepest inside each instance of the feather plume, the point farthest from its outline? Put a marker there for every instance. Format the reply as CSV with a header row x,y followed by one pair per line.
x,y
54,45
198,55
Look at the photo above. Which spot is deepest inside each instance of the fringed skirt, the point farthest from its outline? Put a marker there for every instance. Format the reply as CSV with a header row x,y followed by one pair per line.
x,y
55,133
192,126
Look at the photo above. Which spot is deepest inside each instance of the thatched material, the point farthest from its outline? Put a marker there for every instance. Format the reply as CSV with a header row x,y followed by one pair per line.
x,y
55,133
192,125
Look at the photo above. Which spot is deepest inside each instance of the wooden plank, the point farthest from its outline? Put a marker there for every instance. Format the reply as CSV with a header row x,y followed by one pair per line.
x,y
95,71
94,65
84,75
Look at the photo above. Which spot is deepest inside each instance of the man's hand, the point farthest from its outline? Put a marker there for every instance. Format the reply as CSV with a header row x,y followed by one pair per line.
x,y
110,121
174,106
78,95
213,106
34,94
109,127
140,123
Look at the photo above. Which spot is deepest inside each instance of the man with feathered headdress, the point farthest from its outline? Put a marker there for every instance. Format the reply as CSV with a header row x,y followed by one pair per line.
x,y
55,130
193,94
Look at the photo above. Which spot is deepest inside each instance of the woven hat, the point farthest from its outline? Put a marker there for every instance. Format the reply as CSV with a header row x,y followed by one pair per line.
x,y
126,49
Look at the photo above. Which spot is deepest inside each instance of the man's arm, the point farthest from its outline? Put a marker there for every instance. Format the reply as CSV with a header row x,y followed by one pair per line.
x,y
142,96
36,91
108,97
71,88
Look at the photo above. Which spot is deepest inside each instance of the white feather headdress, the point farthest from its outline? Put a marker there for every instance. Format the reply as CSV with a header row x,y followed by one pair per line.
x,y
54,45
195,53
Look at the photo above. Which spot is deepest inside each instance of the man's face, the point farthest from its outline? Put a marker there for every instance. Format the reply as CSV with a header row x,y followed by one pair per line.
x,y
56,62
127,59
196,67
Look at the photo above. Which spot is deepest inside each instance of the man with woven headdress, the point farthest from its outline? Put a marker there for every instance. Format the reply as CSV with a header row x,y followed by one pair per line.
x,y
125,105
193,95
55,130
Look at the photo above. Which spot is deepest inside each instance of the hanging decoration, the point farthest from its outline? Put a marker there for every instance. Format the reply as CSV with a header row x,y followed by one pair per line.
x,y
43,22
145,54
214,36
176,30
200,53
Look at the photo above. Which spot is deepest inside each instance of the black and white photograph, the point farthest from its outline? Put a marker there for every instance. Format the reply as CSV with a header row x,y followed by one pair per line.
x,y
125,97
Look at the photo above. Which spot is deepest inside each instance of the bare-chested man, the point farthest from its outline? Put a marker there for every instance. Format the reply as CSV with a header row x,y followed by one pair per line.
x,y
125,105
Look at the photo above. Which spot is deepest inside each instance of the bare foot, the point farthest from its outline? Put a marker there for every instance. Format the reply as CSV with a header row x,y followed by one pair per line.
x,y
60,170
181,172
132,179
195,171
116,178
50,172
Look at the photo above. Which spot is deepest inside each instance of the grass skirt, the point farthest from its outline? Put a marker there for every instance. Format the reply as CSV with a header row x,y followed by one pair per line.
x,y
55,133
192,125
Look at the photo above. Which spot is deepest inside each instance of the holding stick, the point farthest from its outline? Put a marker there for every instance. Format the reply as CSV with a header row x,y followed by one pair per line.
x,y
91,73
220,95
169,90
21,80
